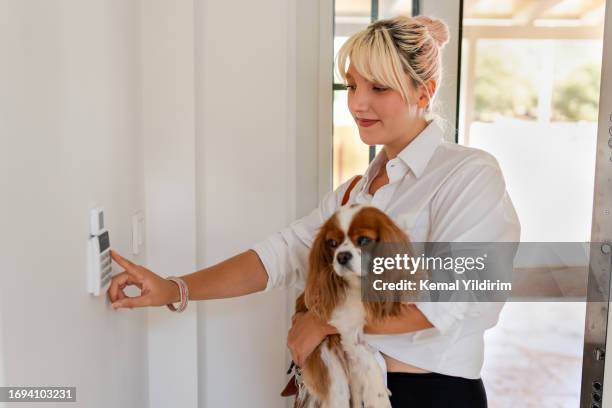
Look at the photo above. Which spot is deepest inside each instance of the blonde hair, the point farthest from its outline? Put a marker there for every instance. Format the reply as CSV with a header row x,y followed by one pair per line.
x,y
387,50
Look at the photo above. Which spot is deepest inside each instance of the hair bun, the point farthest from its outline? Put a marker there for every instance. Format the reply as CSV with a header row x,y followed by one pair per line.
x,y
436,28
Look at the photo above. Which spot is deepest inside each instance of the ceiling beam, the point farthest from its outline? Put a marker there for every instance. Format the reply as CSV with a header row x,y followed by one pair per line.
x,y
595,15
533,33
470,7
532,10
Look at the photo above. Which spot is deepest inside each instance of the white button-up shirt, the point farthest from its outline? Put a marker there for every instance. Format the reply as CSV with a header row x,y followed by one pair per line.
x,y
438,191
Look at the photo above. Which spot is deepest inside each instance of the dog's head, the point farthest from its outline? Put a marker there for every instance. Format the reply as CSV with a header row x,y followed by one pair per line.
x,y
335,260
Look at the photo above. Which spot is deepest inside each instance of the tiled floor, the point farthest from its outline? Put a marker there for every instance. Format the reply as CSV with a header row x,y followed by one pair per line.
x,y
533,357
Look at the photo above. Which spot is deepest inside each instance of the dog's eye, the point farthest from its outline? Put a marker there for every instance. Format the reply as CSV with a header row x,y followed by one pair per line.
x,y
363,240
332,243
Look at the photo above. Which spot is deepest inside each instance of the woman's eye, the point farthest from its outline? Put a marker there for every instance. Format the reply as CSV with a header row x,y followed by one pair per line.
x,y
375,88
363,240
332,243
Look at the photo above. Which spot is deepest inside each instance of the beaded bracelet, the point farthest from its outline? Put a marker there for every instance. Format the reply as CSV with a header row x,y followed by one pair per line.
x,y
184,292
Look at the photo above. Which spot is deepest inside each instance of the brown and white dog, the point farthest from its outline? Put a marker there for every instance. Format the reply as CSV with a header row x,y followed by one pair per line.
x,y
342,371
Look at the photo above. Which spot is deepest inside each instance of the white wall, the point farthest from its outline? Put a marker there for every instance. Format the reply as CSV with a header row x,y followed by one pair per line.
x,y
246,189
69,140
168,127
186,111
219,122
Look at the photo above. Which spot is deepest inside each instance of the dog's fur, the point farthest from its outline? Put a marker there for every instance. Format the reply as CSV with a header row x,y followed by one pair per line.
x,y
342,372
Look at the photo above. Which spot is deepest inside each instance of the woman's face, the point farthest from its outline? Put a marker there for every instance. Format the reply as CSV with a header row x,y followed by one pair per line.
x,y
380,112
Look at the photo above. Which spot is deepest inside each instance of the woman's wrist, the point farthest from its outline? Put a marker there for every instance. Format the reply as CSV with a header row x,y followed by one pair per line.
x,y
174,292
183,294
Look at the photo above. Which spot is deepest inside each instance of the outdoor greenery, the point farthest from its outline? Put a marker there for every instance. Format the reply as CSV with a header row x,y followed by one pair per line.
x,y
576,97
502,85
506,82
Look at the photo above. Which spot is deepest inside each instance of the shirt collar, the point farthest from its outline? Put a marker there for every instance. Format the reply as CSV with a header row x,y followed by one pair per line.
x,y
418,152
414,156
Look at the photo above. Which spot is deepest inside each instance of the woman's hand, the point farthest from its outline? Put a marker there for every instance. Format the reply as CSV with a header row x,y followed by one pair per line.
x,y
306,333
155,290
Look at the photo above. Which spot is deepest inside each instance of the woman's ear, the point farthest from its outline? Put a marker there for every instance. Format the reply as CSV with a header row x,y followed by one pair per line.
x,y
424,97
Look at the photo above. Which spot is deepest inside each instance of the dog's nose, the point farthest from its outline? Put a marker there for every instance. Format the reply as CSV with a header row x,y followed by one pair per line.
x,y
344,257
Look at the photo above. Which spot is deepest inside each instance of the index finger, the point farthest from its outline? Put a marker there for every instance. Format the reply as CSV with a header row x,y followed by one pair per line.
x,y
126,264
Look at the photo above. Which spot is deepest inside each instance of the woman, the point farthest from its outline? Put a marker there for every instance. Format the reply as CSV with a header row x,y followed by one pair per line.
x,y
438,191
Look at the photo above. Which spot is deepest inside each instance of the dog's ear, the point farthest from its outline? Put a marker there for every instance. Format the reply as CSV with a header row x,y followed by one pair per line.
x,y
386,230
392,240
389,231
323,285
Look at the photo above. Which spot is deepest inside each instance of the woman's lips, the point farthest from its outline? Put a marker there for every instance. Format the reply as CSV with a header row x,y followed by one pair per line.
x,y
366,122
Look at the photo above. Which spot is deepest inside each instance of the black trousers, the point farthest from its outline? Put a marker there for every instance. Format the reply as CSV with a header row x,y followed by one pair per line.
x,y
433,390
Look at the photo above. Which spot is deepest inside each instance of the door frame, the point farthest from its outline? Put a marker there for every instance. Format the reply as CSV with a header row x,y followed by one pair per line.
x,y
594,371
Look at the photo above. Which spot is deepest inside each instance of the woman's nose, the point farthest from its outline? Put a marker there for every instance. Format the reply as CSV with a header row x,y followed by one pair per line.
x,y
358,101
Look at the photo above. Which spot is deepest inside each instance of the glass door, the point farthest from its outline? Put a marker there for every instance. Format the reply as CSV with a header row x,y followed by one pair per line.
x,y
529,93
526,81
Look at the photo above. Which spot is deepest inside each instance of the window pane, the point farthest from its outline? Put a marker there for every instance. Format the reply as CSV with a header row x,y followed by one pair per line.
x,y
350,153
393,8
353,8
338,42
350,16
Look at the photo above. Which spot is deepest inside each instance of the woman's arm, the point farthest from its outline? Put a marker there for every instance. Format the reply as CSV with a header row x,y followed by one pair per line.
x,y
236,276
308,331
411,319
239,275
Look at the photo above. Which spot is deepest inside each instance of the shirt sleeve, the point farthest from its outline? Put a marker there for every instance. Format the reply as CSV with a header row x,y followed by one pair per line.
x,y
472,206
284,254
